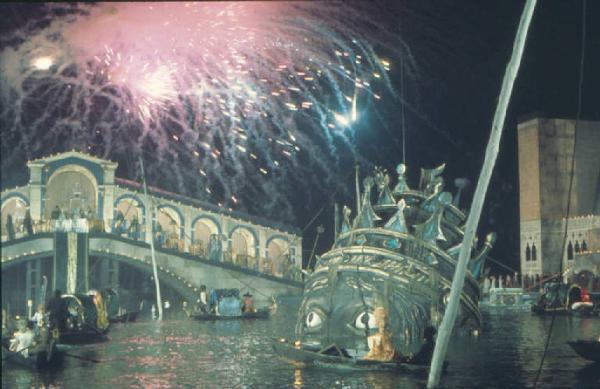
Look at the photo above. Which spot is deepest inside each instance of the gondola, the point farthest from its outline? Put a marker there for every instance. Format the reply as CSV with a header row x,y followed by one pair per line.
x,y
40,357
563,299
85,319
82,337
124,318
263,313
335,358
587,349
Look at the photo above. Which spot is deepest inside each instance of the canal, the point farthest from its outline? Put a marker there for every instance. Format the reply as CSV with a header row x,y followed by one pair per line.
x,y
190,354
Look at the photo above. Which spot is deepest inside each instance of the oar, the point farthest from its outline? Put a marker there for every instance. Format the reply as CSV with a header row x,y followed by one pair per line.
x,y
82,358
17,352
91,359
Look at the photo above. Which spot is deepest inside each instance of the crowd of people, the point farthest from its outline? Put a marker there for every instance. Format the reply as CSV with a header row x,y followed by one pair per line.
x,y
227,302
12,226
79,220
30,333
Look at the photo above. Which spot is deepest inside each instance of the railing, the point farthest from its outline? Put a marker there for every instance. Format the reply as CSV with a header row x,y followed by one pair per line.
x,y
285,268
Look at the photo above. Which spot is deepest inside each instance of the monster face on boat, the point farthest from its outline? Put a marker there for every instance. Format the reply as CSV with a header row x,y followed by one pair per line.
x,y
398,254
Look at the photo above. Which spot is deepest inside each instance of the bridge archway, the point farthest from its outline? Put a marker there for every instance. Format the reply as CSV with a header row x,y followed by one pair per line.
x,y
71,188
16,206
278,254
243,246
203,227
127,209
170,220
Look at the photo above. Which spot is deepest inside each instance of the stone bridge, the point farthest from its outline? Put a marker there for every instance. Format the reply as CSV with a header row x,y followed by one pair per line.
x,y
182,272
197,243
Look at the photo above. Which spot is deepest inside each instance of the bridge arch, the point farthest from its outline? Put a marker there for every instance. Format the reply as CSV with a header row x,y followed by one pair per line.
x,y
182,286
203,227
278,254
126,209
71,187
16,205
170,219
243,246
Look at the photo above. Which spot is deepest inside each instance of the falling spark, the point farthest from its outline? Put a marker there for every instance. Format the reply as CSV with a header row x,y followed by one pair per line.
x,y
245,82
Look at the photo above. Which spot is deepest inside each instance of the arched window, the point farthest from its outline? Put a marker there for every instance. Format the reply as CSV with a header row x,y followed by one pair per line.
x,y
527,253
577,248
533,253
584,246
570,251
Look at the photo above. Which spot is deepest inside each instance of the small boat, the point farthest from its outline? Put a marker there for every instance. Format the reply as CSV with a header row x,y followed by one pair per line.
x,y
587,349
124,318
226,304
85,319
333,357
566,299
39,357
262,313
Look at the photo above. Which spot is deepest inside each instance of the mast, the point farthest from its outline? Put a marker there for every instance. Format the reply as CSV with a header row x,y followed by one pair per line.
x,y
491,153
149,220
357,184
336,221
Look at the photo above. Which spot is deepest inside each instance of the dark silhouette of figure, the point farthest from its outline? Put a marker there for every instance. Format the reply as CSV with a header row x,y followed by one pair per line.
x,y
27,223
10,227
423,357
55,215
56,309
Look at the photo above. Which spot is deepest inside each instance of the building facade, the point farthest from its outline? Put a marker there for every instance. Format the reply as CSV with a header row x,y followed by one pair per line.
x,y
545,152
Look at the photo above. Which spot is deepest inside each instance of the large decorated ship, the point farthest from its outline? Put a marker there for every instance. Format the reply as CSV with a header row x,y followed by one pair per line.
x,y
399,253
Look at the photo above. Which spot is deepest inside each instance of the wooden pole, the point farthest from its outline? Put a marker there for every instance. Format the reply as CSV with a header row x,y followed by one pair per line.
x,y
357,184
149,220
491,152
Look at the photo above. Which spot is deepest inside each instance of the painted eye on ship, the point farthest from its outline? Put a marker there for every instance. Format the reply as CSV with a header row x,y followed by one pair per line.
x,y
364,319
313,320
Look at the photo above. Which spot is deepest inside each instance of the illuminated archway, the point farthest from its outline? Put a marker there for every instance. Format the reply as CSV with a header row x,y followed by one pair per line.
x,y
243,246
203,228
170,221
16,207
129,216
72,188
278,255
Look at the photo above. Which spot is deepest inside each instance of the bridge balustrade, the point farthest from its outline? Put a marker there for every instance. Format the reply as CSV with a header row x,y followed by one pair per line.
x,y
83,225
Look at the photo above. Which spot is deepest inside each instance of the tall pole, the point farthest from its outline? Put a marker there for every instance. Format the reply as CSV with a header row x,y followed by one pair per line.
x,y
357,184
491,152
149,220
336,221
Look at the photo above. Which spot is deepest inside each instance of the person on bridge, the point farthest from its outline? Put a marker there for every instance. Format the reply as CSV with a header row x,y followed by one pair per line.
x,y
55,213
10,227
27,223
248,304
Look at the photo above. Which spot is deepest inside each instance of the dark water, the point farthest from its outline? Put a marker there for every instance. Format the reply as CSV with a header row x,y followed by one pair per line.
x,y
191,354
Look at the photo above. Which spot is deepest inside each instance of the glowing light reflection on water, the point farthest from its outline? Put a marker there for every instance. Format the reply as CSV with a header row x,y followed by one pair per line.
x,y
182,353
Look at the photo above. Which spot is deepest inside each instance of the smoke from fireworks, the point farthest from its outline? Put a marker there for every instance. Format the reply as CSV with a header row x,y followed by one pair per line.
x,y
243,104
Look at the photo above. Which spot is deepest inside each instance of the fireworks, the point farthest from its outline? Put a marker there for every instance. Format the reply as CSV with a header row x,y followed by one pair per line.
x,y
229,101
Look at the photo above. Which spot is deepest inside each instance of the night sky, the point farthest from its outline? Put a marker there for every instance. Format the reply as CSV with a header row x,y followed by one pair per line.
x,y
459,51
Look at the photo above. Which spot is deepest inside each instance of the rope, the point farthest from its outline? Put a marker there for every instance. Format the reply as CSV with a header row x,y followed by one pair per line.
x,y
402,110
564,242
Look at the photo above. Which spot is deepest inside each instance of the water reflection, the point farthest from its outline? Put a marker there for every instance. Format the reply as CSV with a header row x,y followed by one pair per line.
x,y
233,354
